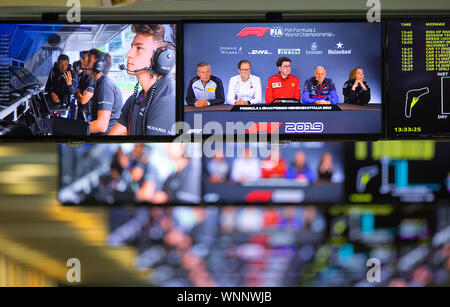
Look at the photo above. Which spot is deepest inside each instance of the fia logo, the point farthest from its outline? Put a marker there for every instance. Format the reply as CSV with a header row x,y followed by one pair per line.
x,y
276,32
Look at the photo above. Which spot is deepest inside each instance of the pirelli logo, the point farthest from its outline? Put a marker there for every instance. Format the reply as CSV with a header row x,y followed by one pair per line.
x,y
258,32
290,51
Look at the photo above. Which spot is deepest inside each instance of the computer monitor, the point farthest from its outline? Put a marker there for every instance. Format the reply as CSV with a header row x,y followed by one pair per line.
x,y
302,79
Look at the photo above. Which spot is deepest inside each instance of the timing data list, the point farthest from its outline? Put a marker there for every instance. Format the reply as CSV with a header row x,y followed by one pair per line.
x,y
437,46
4,67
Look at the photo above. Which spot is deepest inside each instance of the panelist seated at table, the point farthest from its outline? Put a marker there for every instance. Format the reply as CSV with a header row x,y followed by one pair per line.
x,y
244,88
356,90
204,89
319,89
283,84
299,170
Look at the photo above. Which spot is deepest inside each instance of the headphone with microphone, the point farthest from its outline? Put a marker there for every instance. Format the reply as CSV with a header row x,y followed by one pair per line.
x,y
100,64
163,59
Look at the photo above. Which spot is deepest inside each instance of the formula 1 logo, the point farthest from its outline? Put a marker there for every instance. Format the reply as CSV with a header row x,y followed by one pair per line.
x,y
304,127
259,32
264,127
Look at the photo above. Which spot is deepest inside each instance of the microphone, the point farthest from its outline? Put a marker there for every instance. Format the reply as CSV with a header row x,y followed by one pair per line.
x,y
124,67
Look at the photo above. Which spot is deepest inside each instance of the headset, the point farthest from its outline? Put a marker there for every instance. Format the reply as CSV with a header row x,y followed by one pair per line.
x,y
100,64
163,59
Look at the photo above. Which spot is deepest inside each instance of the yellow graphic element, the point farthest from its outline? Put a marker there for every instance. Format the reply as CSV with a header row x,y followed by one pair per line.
x,y
414,101
361,150
365,178
339,227
410,150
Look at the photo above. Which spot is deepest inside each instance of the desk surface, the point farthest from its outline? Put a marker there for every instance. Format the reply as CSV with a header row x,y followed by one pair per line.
x,y
227,107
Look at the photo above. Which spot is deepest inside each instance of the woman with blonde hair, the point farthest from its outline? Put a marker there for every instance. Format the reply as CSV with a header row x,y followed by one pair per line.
x,y
356,90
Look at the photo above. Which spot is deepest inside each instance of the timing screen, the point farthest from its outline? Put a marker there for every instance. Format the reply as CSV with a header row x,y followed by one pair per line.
x,y
418,78
399,171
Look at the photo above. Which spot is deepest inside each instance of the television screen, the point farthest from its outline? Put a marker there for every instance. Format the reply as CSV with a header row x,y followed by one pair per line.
x,y
418,64
87,81
302,79
227,246
108,174
398,171
307,172
410,246
287,245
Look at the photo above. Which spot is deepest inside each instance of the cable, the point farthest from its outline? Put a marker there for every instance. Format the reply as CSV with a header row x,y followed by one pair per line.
x,y
148,101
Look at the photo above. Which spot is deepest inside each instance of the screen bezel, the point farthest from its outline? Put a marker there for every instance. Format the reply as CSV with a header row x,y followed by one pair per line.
x,y
390,135
289,137
343,200
96,138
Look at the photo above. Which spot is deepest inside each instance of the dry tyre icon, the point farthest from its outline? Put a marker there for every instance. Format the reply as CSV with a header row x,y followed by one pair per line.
x,y
412,98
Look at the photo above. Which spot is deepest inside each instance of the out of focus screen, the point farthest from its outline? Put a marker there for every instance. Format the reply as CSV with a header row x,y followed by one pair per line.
x,y
238,243
286,245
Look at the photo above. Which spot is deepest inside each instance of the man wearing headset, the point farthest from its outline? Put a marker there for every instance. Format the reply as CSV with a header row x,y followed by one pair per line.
x,y
151,59
107,99
85,88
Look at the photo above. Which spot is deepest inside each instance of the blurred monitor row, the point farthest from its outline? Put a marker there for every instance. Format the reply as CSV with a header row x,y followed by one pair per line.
x,y
287,245
255,173
93,81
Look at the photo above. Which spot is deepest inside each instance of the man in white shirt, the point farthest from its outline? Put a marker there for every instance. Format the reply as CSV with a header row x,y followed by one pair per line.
x,y
244,88
246,168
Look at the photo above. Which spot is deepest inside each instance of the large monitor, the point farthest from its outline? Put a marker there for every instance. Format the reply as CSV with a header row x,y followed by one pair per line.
x,y
307,172
304,79
287,245
227,247
418,81
398,172
112,174
89,81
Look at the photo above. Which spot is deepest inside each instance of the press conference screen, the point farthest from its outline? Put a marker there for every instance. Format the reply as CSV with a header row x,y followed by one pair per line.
x,y
113,174
418,77
399,172
307,172
80,81
295,79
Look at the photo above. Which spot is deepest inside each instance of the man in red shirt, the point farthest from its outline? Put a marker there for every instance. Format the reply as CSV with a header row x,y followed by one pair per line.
x,y
283,84
274,166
